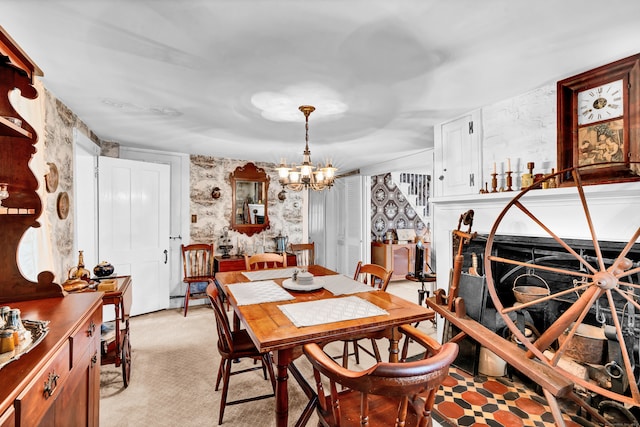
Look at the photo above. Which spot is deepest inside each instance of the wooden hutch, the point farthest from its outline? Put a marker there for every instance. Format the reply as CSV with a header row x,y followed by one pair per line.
x,y
57,382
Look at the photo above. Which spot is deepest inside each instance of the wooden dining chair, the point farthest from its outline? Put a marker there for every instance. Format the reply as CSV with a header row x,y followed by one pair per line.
x,y
377,277
305,253
265,260
197,264
233,346
386,394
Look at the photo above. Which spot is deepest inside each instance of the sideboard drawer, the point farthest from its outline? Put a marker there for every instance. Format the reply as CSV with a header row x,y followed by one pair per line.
x,y
82,338
40,394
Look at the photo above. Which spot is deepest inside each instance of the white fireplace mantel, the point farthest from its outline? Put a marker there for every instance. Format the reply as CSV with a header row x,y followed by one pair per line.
x,y
614,208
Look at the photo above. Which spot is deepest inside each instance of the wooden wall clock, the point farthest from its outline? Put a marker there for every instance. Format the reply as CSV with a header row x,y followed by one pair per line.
x,y
599,122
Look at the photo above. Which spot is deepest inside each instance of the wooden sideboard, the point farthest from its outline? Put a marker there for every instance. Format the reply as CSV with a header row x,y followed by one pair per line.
x,y
68,359
236,263
398,257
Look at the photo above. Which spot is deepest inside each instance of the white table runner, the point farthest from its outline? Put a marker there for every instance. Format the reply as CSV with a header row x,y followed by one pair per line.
x,y
339,284
274,273
258,292
311,313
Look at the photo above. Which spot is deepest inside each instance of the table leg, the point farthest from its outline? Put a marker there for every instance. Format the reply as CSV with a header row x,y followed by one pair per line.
x,y
394,339
282,359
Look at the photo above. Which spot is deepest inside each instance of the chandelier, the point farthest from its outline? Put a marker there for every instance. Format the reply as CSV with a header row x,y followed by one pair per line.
x,y
304,176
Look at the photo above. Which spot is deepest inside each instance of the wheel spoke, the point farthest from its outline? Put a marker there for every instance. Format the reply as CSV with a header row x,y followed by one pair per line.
x,y
628,272
539,267
555,237
626,250
628,297
629,284
623,347
587,213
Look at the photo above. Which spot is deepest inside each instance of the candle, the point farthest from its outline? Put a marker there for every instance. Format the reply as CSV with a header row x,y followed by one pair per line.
x,y
494,167
509,165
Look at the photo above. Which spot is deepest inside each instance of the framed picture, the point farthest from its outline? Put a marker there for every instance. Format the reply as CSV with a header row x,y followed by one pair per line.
x,y
599,122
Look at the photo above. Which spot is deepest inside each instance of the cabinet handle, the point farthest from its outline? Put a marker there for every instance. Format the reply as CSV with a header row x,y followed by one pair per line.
x,y
166,256
94,359
50,385
91,329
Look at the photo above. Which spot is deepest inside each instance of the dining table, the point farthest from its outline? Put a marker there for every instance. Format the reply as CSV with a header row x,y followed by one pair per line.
x,y
281,315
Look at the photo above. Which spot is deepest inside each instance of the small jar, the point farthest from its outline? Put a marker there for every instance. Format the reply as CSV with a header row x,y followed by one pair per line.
x,y
4,313
6,341
14,321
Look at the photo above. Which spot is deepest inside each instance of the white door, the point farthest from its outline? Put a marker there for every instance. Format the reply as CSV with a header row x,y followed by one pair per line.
x,y
134,227
458,157
350,222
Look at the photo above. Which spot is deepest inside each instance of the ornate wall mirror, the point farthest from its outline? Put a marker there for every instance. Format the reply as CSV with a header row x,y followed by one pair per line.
x,y
249,188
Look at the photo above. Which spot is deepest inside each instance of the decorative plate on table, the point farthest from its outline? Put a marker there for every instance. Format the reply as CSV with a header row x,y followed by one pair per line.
x,y
318,283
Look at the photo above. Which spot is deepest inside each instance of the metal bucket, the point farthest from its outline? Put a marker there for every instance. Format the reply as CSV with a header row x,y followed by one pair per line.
x,y
528,293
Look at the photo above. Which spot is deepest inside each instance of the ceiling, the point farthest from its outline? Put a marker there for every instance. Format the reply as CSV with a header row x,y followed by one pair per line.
x,y
225,78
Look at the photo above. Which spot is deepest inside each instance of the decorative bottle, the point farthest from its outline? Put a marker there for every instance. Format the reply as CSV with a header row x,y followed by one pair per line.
x,y
80,272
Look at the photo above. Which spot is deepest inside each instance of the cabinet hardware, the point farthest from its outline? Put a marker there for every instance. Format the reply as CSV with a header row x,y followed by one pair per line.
x,y
91,329
50,385
472,180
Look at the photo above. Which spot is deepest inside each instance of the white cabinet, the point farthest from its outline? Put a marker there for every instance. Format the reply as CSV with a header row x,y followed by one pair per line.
x,y
458,156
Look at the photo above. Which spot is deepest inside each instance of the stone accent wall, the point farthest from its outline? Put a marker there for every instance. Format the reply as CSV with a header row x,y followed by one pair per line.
x,y
58,136
213,215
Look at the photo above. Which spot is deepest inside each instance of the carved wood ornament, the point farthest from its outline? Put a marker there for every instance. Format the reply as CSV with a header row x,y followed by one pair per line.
x,y
21,209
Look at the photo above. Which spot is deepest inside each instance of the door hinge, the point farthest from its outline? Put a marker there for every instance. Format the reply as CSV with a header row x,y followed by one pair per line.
x,y
470,127
95,171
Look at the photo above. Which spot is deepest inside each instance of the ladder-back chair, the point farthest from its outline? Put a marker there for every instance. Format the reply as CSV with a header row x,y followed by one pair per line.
x,y
305,253
377,277
232,346
265,261
197,263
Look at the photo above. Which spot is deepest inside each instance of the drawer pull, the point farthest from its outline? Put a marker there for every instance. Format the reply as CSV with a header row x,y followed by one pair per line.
x,y
94,358
51,384
91,329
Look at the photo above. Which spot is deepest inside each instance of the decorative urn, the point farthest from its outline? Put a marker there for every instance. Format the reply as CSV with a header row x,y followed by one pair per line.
x,y
103,269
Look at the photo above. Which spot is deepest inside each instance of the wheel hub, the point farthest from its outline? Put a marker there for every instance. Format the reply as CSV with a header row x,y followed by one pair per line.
x,y
605,280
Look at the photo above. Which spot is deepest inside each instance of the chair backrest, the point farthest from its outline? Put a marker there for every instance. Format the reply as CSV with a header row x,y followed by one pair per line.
x,y
225,340
305,253
400,381
197,261
265,261
373,274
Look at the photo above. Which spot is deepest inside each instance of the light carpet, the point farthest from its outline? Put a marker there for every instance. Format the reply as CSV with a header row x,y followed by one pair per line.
x,y
173,371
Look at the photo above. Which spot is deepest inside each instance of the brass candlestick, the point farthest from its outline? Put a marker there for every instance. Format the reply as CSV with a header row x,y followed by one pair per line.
x,y
494,182
509,181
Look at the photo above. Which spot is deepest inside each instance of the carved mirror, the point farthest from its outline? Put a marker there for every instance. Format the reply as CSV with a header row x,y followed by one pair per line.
x,y
249,189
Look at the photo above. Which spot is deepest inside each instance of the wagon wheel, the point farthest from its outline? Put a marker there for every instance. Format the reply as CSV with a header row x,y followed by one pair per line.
x,y
594,285
126,360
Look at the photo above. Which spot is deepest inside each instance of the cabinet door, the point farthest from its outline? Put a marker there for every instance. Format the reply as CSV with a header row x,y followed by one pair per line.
x,y
77,405
458,157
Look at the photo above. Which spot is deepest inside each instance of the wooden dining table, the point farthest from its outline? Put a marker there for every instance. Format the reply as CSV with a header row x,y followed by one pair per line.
x,y
271,330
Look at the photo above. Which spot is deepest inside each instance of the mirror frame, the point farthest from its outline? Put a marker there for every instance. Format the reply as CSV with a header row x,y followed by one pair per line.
x,y
249,172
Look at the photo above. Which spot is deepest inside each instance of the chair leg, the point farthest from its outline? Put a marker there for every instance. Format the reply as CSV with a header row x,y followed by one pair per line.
x,y
220,368
376,351
356,352
186,299
345,355
268,360
225,388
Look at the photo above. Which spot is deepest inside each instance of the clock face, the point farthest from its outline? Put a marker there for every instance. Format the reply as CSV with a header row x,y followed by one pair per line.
x,y
600,103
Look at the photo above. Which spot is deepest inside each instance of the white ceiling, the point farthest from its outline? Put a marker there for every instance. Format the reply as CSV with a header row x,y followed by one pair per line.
x,y
194,76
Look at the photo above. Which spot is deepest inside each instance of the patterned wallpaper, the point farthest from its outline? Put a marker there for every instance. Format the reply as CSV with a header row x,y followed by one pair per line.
x,y
390,210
